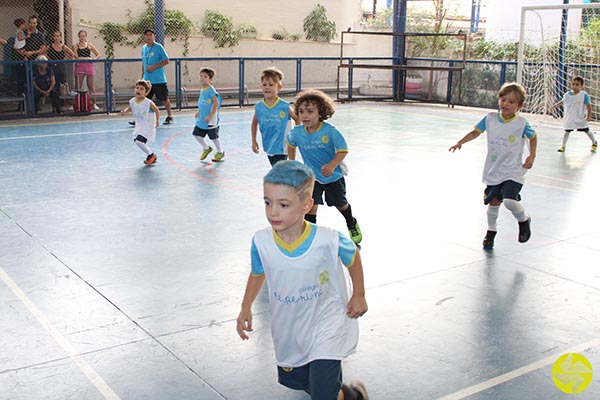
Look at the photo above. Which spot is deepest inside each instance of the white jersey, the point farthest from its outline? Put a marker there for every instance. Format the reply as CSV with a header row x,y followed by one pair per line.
x,y
145,121
575,106
309,297
506,145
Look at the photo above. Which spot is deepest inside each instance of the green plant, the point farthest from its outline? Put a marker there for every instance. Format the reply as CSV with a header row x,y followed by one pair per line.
x,y
295,37
317,26
281,34
111,33
177,26
220,28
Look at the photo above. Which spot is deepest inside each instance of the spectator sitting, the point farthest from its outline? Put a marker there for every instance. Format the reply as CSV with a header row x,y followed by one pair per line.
x,y
45,85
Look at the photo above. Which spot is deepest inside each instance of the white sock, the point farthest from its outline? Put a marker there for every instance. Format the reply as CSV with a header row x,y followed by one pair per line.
x,y
516,209
202,142
565,138
217,143
492,217
144,147
590,134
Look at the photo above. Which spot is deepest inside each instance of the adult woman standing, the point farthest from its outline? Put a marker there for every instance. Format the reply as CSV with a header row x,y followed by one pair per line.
x,y
58,50
83,51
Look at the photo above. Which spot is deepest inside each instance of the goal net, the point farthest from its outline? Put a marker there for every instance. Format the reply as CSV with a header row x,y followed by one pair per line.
x,y
556,44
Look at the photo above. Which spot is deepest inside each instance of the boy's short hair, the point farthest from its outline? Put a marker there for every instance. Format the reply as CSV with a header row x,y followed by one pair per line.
x,y
149,31
272,73
19,22
323,102
145,84
579,79
513,87
293,174
208,71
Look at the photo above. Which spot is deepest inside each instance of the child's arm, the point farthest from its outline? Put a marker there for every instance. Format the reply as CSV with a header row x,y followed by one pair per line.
x,y
291,152
156,113
21,35
328,168
474,134
589,112
532,152
357,306
294,116
125,110
68,50
213,109
95,51
556,105
3,42
254,131
244,320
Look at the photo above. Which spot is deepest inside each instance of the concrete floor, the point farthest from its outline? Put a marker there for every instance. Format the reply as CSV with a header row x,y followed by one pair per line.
x,y
124,281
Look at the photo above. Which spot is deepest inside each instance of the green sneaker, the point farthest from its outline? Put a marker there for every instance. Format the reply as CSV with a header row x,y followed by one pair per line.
x,y
205,153
594,147
355,233
219,156
561,149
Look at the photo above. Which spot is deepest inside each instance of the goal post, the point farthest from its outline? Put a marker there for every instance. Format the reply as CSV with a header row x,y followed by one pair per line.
x,y
557,43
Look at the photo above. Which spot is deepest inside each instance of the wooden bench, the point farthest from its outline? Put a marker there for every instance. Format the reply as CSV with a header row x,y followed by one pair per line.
x,y
223,91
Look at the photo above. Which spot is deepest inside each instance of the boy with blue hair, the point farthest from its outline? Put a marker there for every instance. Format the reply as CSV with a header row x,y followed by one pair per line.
x,y
316,289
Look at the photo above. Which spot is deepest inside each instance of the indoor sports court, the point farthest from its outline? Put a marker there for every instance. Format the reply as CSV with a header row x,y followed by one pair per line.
x,y
123,281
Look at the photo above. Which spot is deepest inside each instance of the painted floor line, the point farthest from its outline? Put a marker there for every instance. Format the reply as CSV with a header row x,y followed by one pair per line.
x,y
480,387
83,365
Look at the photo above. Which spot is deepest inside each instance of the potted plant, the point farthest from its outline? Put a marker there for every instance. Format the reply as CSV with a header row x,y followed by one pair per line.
x,y
318,27
247,31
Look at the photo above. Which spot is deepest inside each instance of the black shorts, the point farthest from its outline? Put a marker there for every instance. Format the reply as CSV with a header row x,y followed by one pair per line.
x,y
505,190
321,378
586,130
159,90
276,158
335,193
213,133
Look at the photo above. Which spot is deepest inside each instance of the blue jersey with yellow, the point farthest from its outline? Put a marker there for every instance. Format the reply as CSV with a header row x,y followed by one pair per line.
x,y
152,55
346,248
205,104
274,124
319,148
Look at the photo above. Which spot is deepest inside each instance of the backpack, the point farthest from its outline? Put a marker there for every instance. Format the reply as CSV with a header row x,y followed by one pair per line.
x,y
82,102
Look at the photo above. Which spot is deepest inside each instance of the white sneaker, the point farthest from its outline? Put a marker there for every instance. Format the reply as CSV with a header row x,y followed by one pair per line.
x,y
96,107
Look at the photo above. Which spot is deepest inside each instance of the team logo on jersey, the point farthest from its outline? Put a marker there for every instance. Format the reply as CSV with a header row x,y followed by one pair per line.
x,y
511,139
208,101
324,277
325,139
282,114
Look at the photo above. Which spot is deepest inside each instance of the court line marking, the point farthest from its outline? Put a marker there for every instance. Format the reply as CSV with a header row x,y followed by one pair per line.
x,y
73,354
480,387
97,132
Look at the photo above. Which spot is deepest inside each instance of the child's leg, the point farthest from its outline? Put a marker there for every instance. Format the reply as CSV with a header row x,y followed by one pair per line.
x,y
317,196
140,141
199,135
218,146
311,216
564,141
213,134
510,192
516,209
325,377
492,215
590,134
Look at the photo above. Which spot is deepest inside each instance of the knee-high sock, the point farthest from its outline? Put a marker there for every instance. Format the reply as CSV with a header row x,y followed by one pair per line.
x,y
565,138
590,134
202,142
144,147
516,209
217,143
492,217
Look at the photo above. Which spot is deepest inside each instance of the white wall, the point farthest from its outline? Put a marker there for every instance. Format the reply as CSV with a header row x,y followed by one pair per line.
x,y
504,19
